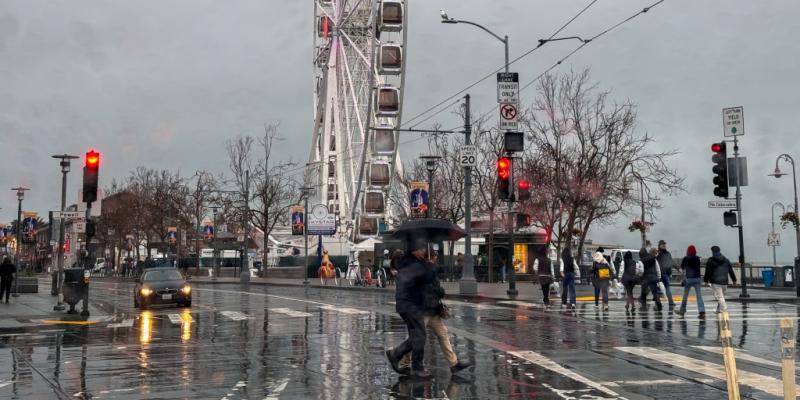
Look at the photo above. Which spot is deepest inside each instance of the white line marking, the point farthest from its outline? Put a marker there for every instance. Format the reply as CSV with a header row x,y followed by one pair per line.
x,y
344,310
235,315
4,384
125,323
290,312
764,383
276,393
740,355
175,318
547,363
520,303
477,306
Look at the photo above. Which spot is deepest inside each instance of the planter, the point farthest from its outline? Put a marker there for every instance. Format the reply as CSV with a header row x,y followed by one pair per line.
x,y
27,284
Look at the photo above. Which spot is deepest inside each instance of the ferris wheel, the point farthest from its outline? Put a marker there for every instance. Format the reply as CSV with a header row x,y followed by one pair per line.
x,y
359,71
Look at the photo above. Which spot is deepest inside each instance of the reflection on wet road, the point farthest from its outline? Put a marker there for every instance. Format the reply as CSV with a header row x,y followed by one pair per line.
x,y
259,342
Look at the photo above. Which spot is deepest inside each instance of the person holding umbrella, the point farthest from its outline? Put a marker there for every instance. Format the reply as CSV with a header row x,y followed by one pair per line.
x,y
412,276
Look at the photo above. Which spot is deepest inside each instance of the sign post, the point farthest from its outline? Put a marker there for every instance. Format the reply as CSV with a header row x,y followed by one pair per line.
x,y
733,125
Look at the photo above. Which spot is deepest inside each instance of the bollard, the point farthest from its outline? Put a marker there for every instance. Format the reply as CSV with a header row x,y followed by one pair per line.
x,y
787,356
727,353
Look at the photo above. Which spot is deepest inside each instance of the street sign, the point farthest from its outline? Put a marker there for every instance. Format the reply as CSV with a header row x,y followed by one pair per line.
x,y
733,121
722,204
468,155
736,170
66,214
79,225
507,87
320,221
773,239
508,116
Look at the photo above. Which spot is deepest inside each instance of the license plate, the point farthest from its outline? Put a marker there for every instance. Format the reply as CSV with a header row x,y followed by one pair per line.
x,y
166,297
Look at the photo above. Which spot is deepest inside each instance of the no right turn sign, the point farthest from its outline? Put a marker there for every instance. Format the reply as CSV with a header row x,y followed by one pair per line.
x,y
509,113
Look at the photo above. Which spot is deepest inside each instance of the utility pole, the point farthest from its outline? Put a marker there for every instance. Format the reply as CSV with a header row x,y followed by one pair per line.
x,y
468,285
65,167
244,275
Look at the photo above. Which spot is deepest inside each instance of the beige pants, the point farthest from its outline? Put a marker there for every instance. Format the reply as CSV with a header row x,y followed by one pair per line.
x,y
436,324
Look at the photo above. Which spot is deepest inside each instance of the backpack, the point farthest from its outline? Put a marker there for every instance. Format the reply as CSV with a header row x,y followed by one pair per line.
x,y
603,272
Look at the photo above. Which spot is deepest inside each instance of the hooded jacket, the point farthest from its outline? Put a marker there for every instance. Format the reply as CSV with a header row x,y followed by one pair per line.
x,y
600,262
665,261
629,269
652,271
718,268
412,277
691,263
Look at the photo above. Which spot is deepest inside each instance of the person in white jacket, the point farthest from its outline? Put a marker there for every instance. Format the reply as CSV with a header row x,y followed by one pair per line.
x,y
570,272
604,272
543,267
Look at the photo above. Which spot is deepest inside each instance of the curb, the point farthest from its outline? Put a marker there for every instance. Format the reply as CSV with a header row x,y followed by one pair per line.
x,y
735,299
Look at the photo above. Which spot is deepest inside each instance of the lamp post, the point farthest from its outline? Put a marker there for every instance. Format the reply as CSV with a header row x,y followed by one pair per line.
x,y
20,196
641,191
65,166
430,165
778,174
215,231
774,255
504,39
306,191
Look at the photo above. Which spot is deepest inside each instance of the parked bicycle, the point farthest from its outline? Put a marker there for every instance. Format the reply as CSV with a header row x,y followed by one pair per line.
x,y
382,275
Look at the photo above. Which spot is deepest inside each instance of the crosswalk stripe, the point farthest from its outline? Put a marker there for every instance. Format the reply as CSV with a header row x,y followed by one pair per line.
x,y
520,303
547,363
175,318
290,312
477,306
344,310
740,355
235,315
763,383
125,323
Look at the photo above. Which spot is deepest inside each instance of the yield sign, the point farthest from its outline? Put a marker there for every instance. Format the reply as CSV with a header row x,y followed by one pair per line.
x,y
508,116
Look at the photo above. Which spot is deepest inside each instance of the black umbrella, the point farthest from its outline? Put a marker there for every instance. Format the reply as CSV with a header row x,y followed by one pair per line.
x,y
430,229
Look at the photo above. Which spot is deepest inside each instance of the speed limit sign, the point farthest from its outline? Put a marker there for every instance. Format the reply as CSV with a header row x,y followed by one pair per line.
x,y
468,155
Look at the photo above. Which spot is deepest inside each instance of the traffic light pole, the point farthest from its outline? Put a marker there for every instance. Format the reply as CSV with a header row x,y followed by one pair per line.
x,y
86,265
512,273
739,216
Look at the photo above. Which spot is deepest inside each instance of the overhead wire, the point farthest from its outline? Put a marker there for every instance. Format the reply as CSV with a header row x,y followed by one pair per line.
x,y
501,68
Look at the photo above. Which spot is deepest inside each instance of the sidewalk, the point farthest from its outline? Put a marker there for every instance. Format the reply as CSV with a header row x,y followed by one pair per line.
x,y
35,309
527,291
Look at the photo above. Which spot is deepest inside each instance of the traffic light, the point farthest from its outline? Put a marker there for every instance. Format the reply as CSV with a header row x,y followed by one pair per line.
x,y
91,171
523,220
720,169
91,229
729,218
504,189
523,190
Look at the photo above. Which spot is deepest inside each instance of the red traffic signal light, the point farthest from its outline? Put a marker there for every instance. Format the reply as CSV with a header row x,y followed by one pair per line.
x,y
503,167
524,192
717,147
505,189
92,159
720,169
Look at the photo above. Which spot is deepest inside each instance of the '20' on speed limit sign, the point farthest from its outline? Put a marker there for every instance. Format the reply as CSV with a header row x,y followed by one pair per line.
x,y
468,155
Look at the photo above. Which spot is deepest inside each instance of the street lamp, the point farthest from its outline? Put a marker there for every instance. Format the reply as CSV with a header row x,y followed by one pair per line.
x,y
430,165
306,191
504,39
65,167
778,174
20,196
641,190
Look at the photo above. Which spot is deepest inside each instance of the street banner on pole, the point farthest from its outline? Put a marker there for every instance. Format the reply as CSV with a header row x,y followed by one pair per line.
x,y
321,221
29,227
419,199
3,232
298,220
208,229
172,235
129,242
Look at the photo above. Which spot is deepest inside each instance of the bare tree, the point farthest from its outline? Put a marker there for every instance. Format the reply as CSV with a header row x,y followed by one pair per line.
x,y
583,149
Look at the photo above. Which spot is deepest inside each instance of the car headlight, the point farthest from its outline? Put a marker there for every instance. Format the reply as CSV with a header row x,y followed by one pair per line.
x,y
146,292
187,289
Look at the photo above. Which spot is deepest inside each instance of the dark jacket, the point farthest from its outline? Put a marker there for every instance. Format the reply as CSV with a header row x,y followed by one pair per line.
x,y
568,260
718,268
665,261
650,271
7,269
691,267
629,271
432,293
412,277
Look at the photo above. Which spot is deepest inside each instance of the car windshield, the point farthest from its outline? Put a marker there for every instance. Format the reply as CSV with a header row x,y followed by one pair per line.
x,y
163,275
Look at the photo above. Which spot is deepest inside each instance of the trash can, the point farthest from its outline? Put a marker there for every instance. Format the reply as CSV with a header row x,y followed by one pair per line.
x,y
778,280
788,276
74,286
766,276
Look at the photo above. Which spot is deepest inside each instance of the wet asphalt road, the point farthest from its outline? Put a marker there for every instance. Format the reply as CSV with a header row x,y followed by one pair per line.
x,y
266,342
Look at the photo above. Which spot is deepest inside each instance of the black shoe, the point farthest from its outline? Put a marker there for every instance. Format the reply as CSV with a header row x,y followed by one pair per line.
x,y
395,363
459,366
404,371
421,374
671,307
701,315
659,308
680,312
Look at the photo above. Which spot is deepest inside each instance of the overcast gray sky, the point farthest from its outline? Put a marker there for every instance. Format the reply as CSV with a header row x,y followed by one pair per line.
x,y
165,83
